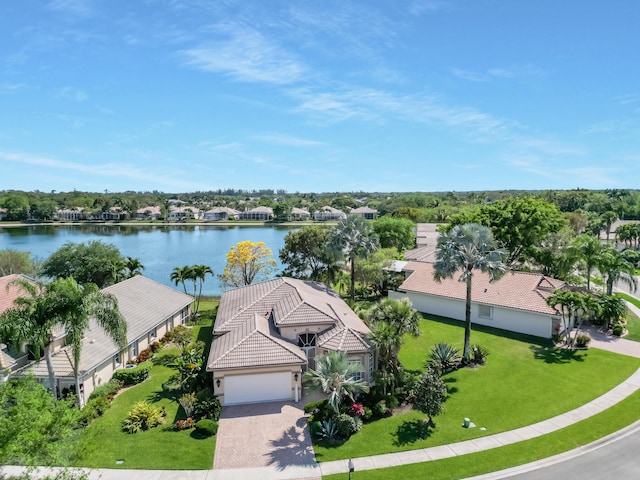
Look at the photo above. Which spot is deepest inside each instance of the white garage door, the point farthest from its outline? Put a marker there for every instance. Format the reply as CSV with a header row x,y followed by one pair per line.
x,y
263,387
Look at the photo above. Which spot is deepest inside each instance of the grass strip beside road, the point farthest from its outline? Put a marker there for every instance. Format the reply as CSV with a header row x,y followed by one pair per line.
x,y
582,433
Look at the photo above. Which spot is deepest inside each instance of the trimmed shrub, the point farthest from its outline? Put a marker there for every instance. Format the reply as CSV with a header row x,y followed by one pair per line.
x,y
582,340
320,410
135,375
314,428
143,356
142,416
207,427
346,425
207,406
391,402
108,390
368,413
380,409
618,329
94,408
155,347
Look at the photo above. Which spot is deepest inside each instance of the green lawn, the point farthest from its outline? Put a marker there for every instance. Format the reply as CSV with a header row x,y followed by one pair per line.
x,y
633,322
525,380
103,442
582,433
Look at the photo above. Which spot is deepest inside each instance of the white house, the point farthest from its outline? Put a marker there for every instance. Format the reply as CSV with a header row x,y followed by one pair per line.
x,y
221,213
516,302
150,310
328,213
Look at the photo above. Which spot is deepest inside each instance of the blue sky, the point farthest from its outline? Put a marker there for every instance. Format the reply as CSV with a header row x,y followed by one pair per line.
x,y
316,96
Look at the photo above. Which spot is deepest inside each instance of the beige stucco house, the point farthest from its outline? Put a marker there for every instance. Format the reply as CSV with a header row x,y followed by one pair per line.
x,y
150,310
516,302
267,334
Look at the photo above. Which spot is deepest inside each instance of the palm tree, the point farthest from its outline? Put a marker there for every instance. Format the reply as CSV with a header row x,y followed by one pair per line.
x,y
133,266
81,304
354,238
587,248
616,269
612,309
466,248
608,219
385,340
198,275
31,320
572,306
335,376
180,275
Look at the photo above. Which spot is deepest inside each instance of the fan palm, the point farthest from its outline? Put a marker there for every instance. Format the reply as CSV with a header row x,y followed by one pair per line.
x,y
466,248
335,376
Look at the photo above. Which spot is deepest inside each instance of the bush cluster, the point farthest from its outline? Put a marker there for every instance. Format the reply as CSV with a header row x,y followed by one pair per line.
x,y
135,375
108,390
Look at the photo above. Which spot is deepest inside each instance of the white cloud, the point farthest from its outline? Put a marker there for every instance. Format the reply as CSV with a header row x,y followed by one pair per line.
x,y
72,93
246,55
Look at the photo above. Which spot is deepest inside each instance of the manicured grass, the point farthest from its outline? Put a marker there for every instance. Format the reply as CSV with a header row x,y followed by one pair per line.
x,y
633,322
103,442
582,433
525,380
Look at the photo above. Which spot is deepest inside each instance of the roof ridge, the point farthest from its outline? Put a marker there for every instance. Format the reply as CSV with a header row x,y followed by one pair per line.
x,y
245,308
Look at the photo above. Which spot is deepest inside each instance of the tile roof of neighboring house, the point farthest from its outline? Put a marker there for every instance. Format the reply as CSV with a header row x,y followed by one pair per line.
x,y
227,210
427,234
252,344
364,210
9,292
261,209
144,303
517,290
285,302
299,211
152,210
327,208
422,254
184,209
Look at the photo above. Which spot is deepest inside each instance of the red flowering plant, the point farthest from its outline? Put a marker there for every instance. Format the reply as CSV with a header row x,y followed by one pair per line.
x,y
185,424
357,410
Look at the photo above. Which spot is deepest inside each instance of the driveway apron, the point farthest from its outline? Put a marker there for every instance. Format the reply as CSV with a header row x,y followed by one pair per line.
x,y
263,434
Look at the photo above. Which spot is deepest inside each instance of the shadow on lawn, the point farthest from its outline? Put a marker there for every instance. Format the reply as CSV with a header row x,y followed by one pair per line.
x,y
166,360
557,355
411,432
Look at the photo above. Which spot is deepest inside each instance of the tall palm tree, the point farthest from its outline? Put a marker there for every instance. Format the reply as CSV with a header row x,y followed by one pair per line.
x,y
198,275
335,376
354,237
463,249
81,304
31,320
180,275
133,267
616,269
385,340
587,248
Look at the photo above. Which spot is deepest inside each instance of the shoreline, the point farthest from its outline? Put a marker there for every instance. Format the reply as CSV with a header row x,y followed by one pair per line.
x,y
134,223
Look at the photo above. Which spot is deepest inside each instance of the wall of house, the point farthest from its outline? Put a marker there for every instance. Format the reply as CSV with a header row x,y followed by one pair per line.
x,y
531,323
291,333
220,375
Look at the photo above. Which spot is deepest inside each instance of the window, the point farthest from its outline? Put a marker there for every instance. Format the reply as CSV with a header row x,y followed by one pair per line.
x,y
183,316
152,335
307,340
358,373
485,311
133,351
116,359
371,365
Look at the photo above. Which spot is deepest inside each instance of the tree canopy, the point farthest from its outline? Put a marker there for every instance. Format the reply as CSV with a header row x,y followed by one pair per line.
x,y
395,232
93,262
247,261
305,253
518,224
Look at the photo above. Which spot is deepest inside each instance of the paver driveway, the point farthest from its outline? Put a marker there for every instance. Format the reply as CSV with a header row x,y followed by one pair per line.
x,y
263,434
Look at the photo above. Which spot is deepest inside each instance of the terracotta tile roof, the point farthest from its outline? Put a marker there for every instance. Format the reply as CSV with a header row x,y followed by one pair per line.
x,y
517,290
253,345
425,253
343,339
8,292
282,302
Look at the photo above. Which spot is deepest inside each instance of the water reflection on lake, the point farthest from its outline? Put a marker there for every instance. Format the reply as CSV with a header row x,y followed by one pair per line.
x,y
160,248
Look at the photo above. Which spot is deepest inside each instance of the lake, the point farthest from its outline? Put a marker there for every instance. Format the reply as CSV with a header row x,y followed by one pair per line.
x,y
160,248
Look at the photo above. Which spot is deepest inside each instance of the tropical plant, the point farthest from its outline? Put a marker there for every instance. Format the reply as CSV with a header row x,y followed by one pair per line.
x,y
479,354
444,357
353,237
572,305
81,306
466,248
615,268
246,262
328,430
133,267
180,275
188,402
588,249
198,275
335,376
611,309
142,416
